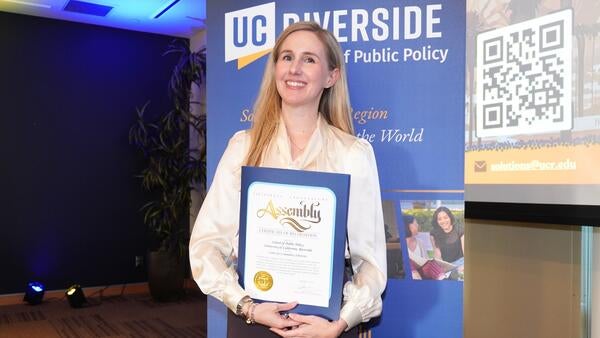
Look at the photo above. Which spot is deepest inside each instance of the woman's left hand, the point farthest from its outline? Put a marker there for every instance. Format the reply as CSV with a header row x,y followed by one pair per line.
x,y
312,327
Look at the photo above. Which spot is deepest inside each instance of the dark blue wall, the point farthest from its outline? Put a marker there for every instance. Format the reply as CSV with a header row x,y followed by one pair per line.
x,y
68,197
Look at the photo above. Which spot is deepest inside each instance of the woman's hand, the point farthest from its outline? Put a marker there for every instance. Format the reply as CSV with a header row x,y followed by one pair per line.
x,y
268,314
312,327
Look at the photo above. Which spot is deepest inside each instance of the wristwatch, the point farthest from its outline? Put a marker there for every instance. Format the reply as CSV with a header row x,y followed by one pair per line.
x,y
245,300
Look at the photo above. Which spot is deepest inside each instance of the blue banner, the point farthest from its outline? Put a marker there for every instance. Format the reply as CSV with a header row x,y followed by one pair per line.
x,y
406,74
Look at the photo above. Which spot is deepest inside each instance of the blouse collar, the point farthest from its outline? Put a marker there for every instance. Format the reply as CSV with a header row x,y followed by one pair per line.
x,y
313,147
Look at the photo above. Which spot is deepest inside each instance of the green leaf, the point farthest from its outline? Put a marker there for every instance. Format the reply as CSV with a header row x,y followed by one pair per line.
x,y
171,168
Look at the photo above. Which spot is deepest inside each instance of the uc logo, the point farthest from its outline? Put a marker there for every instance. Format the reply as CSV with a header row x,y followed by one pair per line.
x,y
249,33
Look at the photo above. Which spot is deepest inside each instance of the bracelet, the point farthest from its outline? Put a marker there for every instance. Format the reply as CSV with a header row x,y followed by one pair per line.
x,y
250,318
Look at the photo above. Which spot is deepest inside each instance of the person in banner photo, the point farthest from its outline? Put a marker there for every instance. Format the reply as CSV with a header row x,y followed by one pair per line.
x,y
447,238
302,121
415,246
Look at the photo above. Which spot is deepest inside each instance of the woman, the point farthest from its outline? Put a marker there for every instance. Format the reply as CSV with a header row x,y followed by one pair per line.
x,y
447,239
415,247
302,121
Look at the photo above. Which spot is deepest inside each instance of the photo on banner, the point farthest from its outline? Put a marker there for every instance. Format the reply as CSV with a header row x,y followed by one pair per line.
x,y
434,237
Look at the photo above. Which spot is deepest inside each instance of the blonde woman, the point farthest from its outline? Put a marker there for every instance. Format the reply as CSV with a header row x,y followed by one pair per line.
x,y
302,121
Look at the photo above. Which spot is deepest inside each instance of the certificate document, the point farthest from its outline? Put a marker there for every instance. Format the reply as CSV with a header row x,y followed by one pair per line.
x,y
292,237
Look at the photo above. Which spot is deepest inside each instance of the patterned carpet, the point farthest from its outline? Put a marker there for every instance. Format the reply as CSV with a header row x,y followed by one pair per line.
x,y
117,316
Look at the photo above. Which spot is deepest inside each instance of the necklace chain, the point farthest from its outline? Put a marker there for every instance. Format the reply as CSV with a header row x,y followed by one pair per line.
x,y
302,132
295,145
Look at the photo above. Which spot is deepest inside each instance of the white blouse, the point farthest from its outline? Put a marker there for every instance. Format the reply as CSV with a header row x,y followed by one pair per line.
x,y
419,250
214,239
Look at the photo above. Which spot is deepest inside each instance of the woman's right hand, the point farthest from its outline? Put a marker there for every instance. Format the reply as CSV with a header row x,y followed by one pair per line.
x,y
269,314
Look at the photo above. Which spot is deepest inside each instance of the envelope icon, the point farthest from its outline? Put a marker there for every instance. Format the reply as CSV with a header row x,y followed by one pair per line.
x,y
480,166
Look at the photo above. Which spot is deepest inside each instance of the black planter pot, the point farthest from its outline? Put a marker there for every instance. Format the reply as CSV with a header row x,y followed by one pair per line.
x,y
165,275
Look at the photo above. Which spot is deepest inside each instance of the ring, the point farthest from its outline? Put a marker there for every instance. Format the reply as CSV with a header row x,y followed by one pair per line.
x,y
285,315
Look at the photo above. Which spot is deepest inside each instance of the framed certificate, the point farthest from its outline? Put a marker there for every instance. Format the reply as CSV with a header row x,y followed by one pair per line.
x,y
292,238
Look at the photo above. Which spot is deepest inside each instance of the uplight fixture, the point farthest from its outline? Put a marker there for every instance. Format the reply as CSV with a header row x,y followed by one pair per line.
x,y
34,294
75,296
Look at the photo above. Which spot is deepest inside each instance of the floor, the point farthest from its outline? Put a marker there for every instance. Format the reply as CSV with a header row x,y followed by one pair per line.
x,y
135,315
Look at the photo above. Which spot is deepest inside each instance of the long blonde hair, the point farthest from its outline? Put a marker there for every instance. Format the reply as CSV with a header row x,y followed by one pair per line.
x,y
334,104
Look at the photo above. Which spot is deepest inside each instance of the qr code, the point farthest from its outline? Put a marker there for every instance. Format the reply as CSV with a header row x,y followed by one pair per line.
x,y
524,77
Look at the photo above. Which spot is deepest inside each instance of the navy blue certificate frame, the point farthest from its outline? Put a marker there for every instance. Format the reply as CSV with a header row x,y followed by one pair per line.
x,y
339,184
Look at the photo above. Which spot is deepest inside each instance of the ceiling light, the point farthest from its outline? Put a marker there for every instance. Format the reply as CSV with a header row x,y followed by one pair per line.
x,y
27,3
164,8
83,7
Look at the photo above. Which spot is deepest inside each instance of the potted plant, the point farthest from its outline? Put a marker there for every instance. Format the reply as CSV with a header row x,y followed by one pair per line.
x,y
173,168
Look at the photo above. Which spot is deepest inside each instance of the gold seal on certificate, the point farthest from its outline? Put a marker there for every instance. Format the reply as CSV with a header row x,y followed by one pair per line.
x,y
263,281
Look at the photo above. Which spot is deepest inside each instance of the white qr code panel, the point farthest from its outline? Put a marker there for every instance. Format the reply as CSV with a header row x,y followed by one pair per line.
x,y
524,77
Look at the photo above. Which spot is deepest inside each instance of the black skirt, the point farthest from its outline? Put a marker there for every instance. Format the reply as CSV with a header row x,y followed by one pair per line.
x,y
237,328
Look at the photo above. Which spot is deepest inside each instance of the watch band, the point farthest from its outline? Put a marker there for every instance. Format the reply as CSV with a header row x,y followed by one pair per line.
x,y
240,305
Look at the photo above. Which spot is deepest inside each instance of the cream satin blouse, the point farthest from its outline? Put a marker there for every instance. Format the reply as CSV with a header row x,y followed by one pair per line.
x,y
214,240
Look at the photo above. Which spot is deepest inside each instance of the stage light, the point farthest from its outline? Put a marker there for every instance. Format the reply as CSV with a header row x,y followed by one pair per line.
x,y
34,293
75,296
